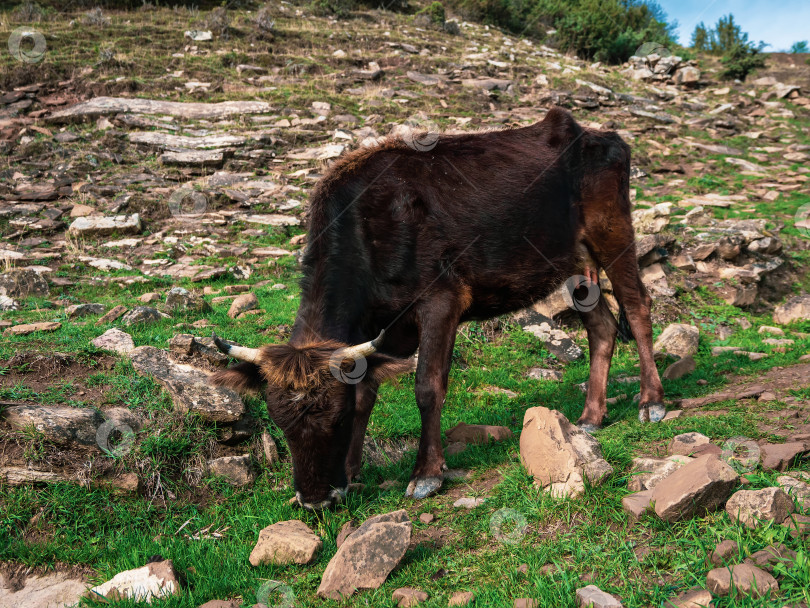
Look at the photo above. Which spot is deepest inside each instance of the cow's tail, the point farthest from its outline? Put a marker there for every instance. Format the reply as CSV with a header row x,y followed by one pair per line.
x,y
242,377
625,333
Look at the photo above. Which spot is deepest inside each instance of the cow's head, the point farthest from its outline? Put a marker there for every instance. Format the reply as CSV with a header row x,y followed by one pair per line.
x,y
310,394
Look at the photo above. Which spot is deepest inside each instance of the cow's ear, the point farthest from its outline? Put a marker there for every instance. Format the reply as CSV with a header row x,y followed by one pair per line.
x,y
383,367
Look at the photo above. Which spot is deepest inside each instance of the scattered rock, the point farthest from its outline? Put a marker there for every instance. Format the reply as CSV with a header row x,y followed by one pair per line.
x,y
771,556
796,308
100,225
182,299
593,597
345,530
367,556
700,486
235,469
114,340
114,314
51,590
694,598
143,314
469,502
725,552
687,443
744,579
242,303
540,373
461,598
192,346
30,328
648,472
636,504
525,602
680,368
20,476
779,456
60,425
22,283
476,433
752,507
83,310
795,488
285,542
155,580
678,339
556,340
427,518
559,455
188,386
269,449
408,596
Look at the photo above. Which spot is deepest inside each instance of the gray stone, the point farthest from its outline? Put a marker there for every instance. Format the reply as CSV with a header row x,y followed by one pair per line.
x,y
20,476
285,542
468,502
83,310
51,590
367,556
155,580
100,225
593,597
678,339
687,443
142,314
114,340
796,308
182,299
408,596
60,425
556,340
752,507
188,386
22,283
235,469
680,368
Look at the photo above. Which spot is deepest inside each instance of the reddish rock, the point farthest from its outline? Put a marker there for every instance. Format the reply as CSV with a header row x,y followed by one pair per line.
x,y
344,533
407,596
699,487
285,542
744,579
779,456
427,518
635,505
694,598
461,598
726,551
752,507
686,443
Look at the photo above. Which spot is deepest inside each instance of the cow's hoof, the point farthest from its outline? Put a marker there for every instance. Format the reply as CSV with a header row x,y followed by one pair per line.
x,y
589,427
652,412
422,487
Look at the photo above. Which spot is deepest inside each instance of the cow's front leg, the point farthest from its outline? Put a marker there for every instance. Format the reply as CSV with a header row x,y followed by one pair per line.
x,y
366,396
437,334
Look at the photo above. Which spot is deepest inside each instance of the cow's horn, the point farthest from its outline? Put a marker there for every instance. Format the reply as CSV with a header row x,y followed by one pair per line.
x,y
251,355
364,349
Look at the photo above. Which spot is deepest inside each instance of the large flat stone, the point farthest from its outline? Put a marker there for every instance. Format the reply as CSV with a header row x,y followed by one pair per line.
x,y
60,425
286,542
741,580
101,225
188,386
753,507
699,487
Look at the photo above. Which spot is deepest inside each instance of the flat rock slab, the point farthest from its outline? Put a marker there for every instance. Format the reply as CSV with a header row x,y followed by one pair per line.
x,y
367,556
109,106
193,158
593,597
52,590
22,282
753,507
699,487
61,425
155,580
270,219
477,433
20,476
556,340
30,328
796,308
101,225
559,455
741,580
286,542
636,504
188,386
779,456
166,140
687,443
114,340
694,598
236,470
649,472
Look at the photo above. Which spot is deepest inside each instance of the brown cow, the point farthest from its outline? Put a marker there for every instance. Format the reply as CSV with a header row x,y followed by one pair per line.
x,y
415,239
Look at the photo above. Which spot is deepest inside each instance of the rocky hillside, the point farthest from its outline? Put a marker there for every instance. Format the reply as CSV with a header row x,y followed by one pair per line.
x,y
158,167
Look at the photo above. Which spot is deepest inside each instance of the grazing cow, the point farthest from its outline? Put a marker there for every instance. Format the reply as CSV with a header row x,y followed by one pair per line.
x,y
415,239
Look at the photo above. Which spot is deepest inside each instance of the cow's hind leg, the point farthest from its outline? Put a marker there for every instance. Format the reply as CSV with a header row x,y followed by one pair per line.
x,y
438,320
366,396
602,330
622,269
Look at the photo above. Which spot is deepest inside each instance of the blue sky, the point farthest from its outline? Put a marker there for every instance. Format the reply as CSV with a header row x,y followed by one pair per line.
x,y
780,23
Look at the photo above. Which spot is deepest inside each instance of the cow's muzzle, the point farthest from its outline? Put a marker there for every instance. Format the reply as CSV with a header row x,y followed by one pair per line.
x,y
336,496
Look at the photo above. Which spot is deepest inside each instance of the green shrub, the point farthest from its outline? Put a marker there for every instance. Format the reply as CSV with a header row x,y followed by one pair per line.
x,y
435,11
740,61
